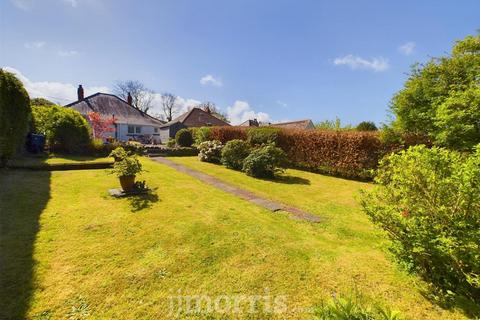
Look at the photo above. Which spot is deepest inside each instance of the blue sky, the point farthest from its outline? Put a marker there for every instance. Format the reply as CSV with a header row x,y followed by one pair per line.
x,y
275,60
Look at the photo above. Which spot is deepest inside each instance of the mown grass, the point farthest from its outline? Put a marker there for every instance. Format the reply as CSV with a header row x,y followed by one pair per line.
x,y
70,250
38,160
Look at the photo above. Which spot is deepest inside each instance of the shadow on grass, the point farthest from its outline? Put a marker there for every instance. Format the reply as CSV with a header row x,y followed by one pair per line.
x,y
288,180
467,306
23,197
143,201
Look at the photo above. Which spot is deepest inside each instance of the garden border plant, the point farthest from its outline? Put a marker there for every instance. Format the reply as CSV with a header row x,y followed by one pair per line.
x,y
428,203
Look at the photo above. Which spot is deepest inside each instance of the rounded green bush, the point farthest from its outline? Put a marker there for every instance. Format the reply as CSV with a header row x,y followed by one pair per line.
x,y
65,129
264,162
184,138
14,115
234,152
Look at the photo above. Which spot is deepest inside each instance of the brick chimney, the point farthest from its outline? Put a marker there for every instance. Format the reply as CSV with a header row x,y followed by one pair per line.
x,y
129,99
80,93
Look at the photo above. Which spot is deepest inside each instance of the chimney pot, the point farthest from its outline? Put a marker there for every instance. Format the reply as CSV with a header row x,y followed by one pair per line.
x,y
129,99
80,93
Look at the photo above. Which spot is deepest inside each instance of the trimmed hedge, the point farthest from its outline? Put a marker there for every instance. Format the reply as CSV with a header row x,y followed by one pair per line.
x,y
225,134
14,115
348,154
180,152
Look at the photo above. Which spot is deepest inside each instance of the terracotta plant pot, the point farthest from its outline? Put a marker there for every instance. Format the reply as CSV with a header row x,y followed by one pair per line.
x,y
127,183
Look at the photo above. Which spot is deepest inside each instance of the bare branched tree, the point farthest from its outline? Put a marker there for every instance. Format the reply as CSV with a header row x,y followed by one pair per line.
x,y
142,97
169,105
212,109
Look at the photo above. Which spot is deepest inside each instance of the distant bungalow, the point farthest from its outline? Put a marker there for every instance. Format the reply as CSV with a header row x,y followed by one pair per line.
x,y
299,124
130,123
133,124
195,117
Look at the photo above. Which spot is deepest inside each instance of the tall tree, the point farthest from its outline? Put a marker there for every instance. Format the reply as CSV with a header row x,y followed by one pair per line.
x,y
433,100
169,106
212,109
142,97
41,102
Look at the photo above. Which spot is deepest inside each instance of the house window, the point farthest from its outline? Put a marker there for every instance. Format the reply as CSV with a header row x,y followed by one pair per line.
x,y
138,129
131,129
155,130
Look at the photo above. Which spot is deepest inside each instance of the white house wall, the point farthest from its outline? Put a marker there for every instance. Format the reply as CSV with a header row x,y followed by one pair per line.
x,y
123,135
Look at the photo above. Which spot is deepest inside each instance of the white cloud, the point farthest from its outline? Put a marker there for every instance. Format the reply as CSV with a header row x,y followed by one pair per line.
x,y
61,93
241,111
73,3
67,53
35,44
28,4
358,63
22,4
283,104
407,48
209,79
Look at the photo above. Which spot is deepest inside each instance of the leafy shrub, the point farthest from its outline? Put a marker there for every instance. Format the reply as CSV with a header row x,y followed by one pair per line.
x,y
264,162
210,151
128,166
349,308
184,138
118,154
134,147
428,202
259,136
201,134
171,143
234,152
366,126
65,129
225,134
14,115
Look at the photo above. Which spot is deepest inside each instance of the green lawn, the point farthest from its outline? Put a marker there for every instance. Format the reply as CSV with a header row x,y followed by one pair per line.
x,y
69,250
32,160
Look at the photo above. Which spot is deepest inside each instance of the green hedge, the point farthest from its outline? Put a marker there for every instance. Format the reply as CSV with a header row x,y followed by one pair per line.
x,y
65,129
349,154
265,135
14,115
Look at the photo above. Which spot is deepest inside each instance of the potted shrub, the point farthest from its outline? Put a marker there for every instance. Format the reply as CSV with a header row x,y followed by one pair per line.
x,y
126,170
118,154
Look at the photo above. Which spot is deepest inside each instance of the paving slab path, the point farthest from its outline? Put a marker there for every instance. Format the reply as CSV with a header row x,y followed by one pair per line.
x,y
239,192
